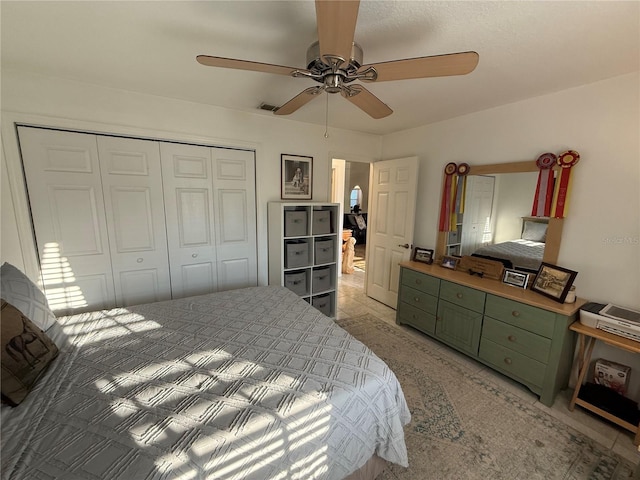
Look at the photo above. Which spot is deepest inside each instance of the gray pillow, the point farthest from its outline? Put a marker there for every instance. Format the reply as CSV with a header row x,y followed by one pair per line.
x,y
17,289
535,231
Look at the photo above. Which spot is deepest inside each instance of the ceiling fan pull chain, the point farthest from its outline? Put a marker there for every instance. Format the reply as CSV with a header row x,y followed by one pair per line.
x,y
326,119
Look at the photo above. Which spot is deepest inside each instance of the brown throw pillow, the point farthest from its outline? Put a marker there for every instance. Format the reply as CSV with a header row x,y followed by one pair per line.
x,y
26,353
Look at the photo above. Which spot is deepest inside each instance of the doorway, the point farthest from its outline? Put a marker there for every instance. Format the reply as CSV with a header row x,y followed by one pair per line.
x,y
350,188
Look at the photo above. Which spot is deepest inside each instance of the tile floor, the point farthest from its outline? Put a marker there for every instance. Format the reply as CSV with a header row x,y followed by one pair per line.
x,y
353,302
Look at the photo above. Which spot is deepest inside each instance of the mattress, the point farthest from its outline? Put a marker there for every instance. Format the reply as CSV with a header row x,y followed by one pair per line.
x,y
245,384
522,253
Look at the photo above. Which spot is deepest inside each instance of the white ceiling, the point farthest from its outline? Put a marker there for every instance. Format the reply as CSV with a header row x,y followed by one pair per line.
x,y
526,48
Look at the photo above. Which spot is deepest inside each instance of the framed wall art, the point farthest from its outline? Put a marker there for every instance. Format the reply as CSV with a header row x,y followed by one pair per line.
x,y
422,255
553,281
296,177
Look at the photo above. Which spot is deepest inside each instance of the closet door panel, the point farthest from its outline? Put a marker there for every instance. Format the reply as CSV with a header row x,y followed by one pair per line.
x,y
67,207
188,197
235,215
132,183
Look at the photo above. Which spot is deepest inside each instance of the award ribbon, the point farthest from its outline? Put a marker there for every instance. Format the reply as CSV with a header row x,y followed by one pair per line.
x,y
461,186
544,188
566,160
445,206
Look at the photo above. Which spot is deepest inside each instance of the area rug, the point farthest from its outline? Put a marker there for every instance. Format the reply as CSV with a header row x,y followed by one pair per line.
x,y
463,426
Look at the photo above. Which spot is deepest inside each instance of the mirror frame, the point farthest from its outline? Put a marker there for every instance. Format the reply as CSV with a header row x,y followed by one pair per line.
x,y
554,230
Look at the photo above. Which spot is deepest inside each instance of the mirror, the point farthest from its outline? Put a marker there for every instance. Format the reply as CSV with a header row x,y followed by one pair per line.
x,y
498,202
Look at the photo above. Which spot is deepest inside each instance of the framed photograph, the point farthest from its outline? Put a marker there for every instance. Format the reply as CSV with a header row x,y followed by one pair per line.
x,y
515,278
296,177
449,261
553,281
423,255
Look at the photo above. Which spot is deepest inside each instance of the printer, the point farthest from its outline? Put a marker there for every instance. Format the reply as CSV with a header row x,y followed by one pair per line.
x,y
611,318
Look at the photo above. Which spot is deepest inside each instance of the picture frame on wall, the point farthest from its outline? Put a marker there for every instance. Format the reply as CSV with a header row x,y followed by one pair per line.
x,y
423,255
553,281
296,177
515,278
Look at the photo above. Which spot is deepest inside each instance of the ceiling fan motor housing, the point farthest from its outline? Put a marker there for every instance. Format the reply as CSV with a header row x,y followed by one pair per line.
x,y
317,66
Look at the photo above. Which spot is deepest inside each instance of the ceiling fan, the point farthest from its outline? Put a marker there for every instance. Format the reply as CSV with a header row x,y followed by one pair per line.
x,y
335,61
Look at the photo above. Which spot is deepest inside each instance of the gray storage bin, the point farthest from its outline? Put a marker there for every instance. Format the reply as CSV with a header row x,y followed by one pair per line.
x,y
297,254
321,222
296,282
321,279
324,250
295,223
322,303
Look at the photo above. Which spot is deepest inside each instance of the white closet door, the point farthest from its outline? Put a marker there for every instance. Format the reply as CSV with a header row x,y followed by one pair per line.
x,y
132,184
188,196
67,207
234,182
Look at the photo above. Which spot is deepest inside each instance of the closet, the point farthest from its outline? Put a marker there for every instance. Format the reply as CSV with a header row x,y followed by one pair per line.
x,y
121,221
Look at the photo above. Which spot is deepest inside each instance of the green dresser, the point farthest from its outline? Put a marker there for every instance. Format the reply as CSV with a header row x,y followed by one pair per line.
x,y
510,330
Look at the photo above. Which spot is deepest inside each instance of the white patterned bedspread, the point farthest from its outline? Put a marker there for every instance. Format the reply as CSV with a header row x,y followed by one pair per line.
x,y
522,253
245,384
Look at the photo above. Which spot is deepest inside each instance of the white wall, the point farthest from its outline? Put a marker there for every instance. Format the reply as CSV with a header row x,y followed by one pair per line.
x,y
601,238
57,102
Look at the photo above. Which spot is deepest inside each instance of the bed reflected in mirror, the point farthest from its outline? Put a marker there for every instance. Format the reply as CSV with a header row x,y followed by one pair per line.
x,y
497,216
496,223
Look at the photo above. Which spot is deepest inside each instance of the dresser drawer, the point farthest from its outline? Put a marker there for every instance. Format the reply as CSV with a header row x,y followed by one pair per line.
x,y
524,316
425,302
420,281
517,339
425,322
464,296
512,362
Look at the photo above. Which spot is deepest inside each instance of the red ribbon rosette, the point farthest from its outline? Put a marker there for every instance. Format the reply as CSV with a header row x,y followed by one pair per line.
x,y
566,161
544,188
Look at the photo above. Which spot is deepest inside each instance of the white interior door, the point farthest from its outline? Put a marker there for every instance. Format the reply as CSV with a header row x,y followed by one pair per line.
x,y
67,208
477,212
188,196
234,209
134,205
392,205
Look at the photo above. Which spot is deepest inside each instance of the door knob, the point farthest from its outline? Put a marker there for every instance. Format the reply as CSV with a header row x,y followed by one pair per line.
x,y
406,245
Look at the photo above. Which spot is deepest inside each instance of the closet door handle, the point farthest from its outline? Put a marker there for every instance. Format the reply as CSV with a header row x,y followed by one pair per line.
x,y
140,260
194,255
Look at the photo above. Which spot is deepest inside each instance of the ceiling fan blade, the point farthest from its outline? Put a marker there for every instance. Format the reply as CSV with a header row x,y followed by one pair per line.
x,y
367,101
423,67
244,65
336,27
299,100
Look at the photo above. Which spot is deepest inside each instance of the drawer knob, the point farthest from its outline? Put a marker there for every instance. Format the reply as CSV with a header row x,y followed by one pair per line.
x,y
459,295
511,338
414,316
416,299
418,281
508,361
515,313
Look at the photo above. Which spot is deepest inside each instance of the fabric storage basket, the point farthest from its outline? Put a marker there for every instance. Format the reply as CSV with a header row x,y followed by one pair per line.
x,y
324,251
297,254
295,223
296,282
322,303
321,279
321,222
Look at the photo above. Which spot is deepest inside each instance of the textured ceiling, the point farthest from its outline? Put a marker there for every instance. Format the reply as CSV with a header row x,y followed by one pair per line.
x,y
526,48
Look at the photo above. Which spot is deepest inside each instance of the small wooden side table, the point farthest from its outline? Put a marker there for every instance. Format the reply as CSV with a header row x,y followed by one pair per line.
x,y
587,337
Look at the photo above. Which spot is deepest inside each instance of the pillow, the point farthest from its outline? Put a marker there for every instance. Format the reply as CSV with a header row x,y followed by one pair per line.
x,y
26,353
534,231
17,289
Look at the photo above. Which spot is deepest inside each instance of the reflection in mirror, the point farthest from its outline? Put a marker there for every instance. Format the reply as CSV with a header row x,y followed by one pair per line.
x,y
497,210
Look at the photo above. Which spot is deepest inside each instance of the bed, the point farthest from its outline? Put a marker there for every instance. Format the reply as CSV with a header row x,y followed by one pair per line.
x,y
245,384
525,252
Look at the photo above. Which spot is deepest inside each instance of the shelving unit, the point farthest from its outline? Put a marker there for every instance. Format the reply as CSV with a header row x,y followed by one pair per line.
x,y
304,248
587,337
